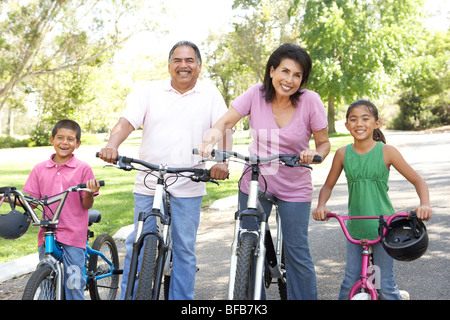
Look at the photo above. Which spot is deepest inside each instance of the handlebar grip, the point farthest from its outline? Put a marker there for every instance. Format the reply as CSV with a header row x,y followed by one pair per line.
x,y
83,185
195,151
317,159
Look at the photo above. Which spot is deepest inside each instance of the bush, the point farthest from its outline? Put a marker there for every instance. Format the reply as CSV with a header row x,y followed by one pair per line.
x,y
416,113
10,142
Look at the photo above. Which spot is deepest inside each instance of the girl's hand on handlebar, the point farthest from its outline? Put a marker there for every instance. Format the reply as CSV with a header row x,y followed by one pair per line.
x,y
320,214
423,212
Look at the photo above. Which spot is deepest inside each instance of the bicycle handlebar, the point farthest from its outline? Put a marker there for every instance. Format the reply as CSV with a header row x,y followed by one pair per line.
x,y
290,160
381,218
199,174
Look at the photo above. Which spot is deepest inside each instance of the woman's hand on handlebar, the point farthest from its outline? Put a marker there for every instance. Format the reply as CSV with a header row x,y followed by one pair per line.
x,y
320,214
205,150
108,154
307,156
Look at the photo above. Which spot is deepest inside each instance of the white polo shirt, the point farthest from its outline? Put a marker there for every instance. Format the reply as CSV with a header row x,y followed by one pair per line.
x,y
173,124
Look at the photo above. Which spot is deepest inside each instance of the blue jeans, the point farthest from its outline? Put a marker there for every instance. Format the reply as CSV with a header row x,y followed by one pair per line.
x,y
73,262
384,268
300,274
185,214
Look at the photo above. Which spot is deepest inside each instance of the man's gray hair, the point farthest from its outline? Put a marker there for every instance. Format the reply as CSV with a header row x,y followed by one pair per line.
x,y
189,44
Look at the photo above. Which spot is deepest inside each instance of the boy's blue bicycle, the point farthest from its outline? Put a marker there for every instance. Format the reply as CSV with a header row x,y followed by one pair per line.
x,y
101,269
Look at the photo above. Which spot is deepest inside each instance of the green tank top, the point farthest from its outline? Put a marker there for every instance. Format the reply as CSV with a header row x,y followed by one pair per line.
x,y
367,180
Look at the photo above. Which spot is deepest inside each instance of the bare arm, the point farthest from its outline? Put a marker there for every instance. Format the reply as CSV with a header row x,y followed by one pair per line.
x,y
220,132
119,133
88,199
322,143
325,193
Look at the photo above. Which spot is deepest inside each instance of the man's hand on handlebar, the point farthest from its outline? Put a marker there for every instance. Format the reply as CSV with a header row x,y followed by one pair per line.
x,y
108,154
219,171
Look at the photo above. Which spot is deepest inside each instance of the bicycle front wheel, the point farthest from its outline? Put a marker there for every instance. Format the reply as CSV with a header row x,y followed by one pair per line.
x,y
41,285
103,288
245,269
147,275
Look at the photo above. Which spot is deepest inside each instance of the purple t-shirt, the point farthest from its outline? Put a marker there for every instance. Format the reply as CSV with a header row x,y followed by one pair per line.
x,y
49,178
286,183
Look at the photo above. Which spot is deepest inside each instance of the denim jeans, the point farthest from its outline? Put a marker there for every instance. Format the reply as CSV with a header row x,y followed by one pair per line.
x,y
384,272
185,214
300,274
73,262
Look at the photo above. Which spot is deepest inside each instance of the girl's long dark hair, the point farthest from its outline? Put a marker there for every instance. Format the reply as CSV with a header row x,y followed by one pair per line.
x,y
377,134
287,51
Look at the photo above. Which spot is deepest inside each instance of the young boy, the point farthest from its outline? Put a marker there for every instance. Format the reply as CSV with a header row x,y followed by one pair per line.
x,y
54,176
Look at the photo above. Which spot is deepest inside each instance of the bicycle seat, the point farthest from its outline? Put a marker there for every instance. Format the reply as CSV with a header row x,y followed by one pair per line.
x,y
94,216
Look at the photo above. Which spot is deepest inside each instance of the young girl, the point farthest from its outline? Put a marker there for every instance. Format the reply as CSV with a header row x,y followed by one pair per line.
x,y
366,163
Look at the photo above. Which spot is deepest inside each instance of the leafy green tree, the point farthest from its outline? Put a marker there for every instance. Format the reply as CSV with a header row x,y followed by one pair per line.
x,y
425,100
358,47
48,44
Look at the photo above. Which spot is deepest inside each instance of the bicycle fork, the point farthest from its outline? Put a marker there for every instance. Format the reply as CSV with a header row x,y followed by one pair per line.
x,y
157,211
52,254
253,209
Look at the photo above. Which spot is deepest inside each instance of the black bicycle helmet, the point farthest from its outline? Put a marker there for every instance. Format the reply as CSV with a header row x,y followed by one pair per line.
x,y
406,239
13,224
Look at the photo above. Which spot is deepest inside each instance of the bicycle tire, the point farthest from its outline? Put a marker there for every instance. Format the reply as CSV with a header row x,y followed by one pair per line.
x,y
41,285
166,287
245,269
282,288
106,288
147,274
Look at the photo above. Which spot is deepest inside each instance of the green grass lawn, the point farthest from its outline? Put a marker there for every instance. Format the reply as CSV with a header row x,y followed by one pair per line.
x,y
115,201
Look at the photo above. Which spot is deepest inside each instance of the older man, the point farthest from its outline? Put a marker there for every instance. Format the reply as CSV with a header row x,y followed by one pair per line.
x,y
174,114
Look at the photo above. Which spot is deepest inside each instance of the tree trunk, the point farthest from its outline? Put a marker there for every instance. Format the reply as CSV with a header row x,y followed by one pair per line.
x,y
331,126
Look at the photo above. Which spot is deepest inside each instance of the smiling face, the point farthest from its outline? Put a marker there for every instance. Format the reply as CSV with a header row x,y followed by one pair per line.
x,y
184,69
361,123
286,78
64,142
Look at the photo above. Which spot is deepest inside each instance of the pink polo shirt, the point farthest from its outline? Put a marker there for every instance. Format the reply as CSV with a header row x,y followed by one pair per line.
x,y
49,178
288,184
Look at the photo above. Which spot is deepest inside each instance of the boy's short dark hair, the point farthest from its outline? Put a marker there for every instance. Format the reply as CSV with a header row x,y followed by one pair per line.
x,y
67,124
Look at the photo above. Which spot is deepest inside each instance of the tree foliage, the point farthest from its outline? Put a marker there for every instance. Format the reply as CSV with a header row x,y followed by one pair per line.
x,y
49,47
358,47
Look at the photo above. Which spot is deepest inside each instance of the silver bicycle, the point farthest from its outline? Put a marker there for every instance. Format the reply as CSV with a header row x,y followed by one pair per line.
x,y
255,258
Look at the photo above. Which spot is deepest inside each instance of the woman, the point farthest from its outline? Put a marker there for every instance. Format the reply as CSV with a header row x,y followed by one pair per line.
x,y
283,116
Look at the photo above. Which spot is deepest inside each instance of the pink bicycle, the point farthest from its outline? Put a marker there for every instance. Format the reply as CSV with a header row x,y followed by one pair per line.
x,y
402,235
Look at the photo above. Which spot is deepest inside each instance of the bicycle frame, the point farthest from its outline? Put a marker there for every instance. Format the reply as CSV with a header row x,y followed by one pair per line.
x,y
158,210
254,209
164,240
364,283
53,251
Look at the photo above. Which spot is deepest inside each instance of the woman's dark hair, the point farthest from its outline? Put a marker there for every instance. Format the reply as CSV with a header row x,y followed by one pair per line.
x,y
287,51
377,134
67,124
